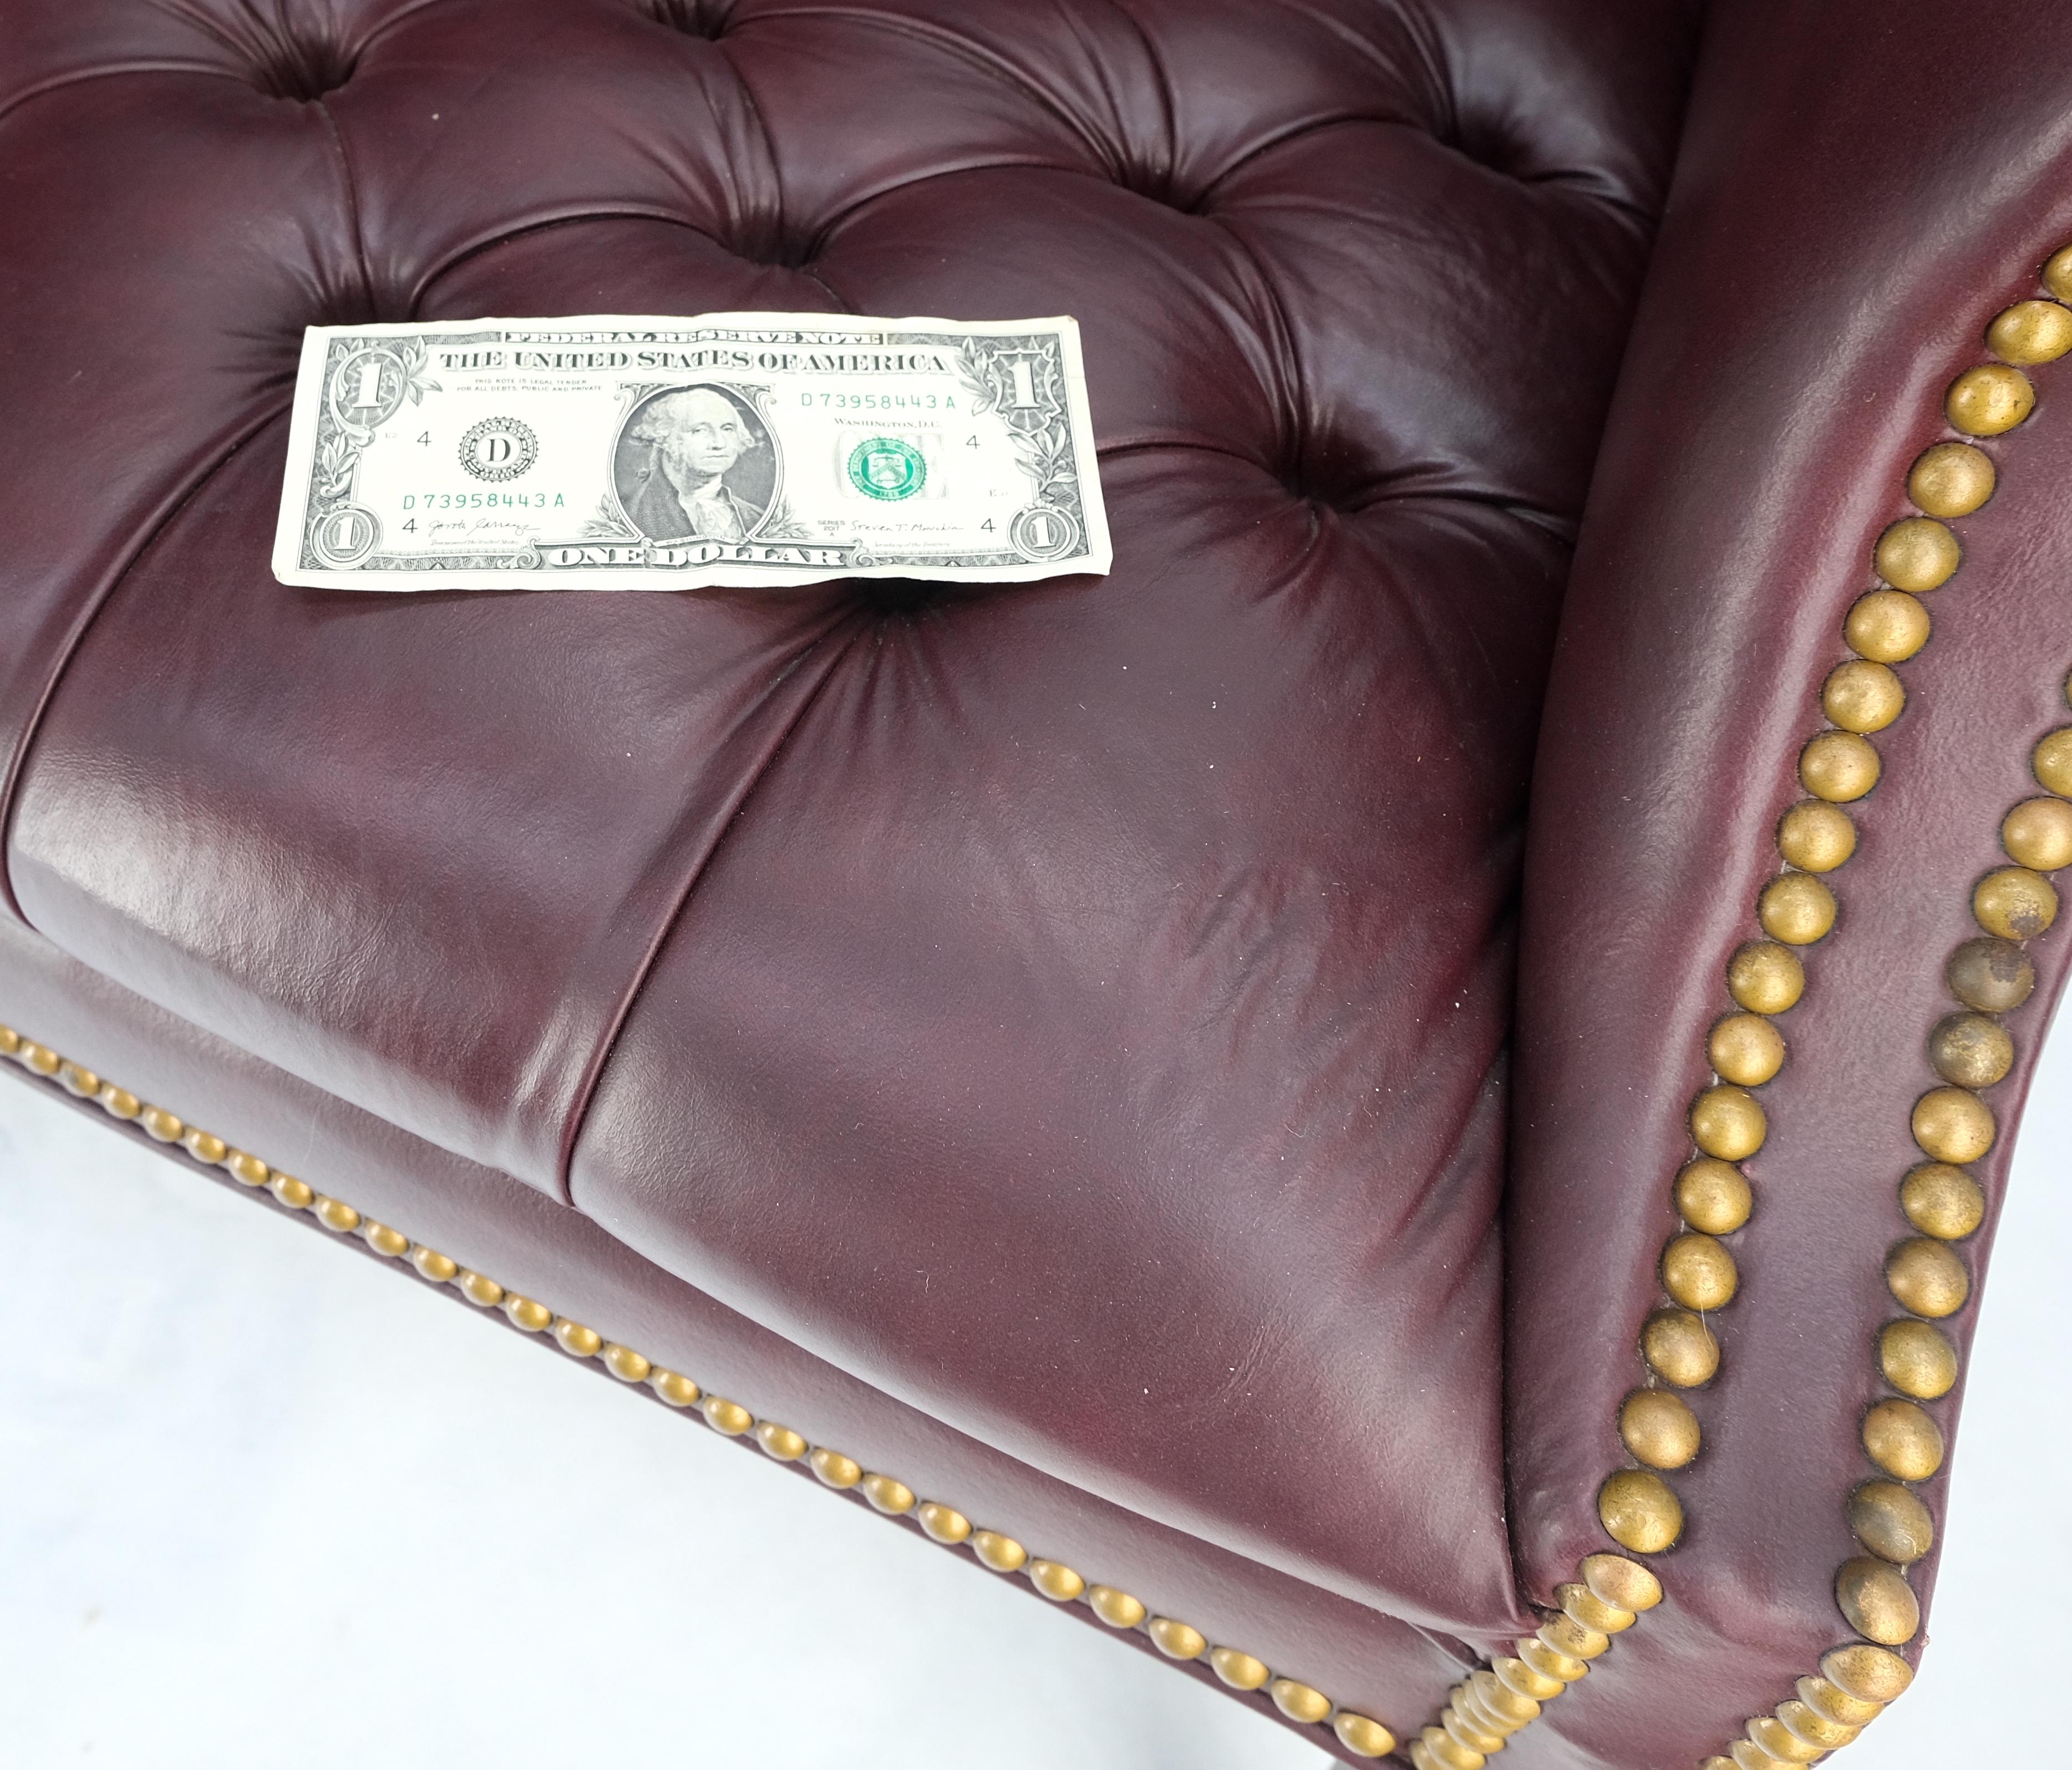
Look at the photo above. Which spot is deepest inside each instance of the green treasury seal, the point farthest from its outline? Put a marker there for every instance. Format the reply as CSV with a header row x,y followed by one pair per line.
x,y
886,467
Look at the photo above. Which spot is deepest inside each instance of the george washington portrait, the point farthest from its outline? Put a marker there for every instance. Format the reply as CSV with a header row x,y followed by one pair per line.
x,y
695,464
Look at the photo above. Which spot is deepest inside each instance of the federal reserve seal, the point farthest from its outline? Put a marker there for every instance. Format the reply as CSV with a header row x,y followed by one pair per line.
x,y
498,449
886,468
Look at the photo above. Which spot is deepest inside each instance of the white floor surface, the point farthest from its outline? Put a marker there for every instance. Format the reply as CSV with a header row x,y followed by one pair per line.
x,y
264,1505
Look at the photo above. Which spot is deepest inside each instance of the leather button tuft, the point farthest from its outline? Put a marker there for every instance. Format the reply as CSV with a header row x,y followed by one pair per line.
x,y
707,18
289,64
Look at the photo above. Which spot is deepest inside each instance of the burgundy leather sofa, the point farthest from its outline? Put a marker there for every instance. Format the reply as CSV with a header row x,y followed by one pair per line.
x,y
1401,1101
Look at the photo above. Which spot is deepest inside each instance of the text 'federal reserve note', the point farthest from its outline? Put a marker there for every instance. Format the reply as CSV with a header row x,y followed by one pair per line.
x,y
617,453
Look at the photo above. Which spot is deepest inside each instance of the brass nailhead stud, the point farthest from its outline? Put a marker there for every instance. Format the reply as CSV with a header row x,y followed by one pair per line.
x,y
1298,1701
834,1469
1117,1609
1863,695
390,1244
2015,903
627,1366
1798,908
432,1265
1516,1675
1993,976
1877,1601
1941,1201
1566,1635
1769,1735
944,1524
1240,1671
1475,1740
1658,1428
1680,1349
38,1059
1887,625
119,1102
1970,1050
1727,1122
159,1125
2051,761
678,1390
1810,1728
1839,766
339,1217
1903,1441
1508,1708
1002,1554
1747,1755
1565,1668
2030,331
83,1084
204,1147
1951,479
1989,400
1618,1581
1868,1673
1915,553
523,1313
2057,273
1816,836
1698,1272
2037,834
10,1042
1746,1049
1890,1521
1953,1125
1579,1601
894,1498
1765,977
1176,1641
1712,1196
577,1341
1638,1512
1057,1582
1917,1360
779,1444
248,1170
729,1417
1448,1752
1925,1276
484,1293
1361,1735
296,1194
1836,1704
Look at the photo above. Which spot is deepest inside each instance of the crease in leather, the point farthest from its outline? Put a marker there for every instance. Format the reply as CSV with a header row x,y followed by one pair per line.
x,y
215,459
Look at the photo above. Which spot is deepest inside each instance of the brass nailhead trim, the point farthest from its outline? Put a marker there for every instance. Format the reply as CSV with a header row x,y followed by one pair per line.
x,y
1639,1509
1359,1734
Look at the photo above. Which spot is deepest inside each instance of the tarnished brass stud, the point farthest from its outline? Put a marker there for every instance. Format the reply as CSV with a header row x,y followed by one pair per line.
x,y
1639,1512
1917,1360
1712,1196
1578,1641
1057,1582
1564,1668
577,1341
1887,625
1773,1736
834,1470
204,1147
1838,767
1482,1723
1797,908
1748,1755
1915,553
1298,1701
1698,1272
1903,1441
1953,1125
2037,834
1833,1703
722,1415
484,1293
1466,1733
76,1081
1516,1676
779,1444
1993,976
1579,1603
1239,1671
1510,1708
2015,903
1002,1554
1815,836
432,1265
1869,1673
38,1059
1877,1601
627,1366
1117,1609
947,1525
159,1125
2057,273
1970,1050
1765,977
246,1169
1618,1581
1888,1520
296,1194
1177,1641
1659,1429
1951,479
1361,1735
2051,761
390,1244
1988,400
1728,1122
336,1216
1680,1349
1941,1201
1925,1275
1746,1049
1812,1728
119,1102
1444,1749
2030,331
895,1499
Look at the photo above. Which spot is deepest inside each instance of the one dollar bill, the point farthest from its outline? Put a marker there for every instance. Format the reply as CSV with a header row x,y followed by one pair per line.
x,y
615,453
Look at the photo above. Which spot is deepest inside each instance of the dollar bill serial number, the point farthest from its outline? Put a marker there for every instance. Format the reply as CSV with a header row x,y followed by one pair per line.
x,y
484,501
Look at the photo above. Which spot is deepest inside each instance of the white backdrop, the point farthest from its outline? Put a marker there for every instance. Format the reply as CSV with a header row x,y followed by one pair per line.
x,y
262,1503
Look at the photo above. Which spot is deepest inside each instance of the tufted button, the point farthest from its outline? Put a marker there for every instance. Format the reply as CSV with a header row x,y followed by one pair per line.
x,y
706,18
294,64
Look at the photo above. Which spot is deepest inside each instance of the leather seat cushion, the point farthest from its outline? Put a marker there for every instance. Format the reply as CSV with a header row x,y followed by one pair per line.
x,y
1079,1009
